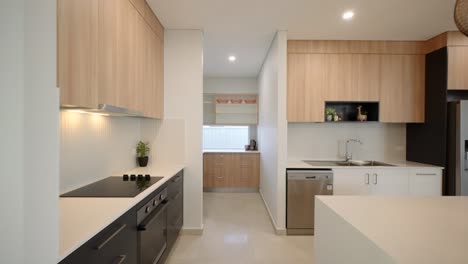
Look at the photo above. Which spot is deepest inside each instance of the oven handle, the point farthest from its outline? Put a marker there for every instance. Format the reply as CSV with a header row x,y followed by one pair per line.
x,y
148,220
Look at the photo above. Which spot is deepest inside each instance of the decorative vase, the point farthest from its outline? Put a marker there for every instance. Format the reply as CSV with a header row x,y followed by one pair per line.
x,y
461,16
142,161
329,118
336,118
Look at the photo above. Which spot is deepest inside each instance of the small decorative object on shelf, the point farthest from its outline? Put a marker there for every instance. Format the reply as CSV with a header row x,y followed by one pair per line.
x,y
142,153
330,114
362,115
461,16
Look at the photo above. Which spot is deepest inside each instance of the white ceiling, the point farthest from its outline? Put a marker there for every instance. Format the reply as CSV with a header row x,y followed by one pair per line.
x,y
245,28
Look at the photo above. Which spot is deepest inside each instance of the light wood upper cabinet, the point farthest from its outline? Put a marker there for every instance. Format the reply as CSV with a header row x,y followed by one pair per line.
x,y
306,86
117,54
77,52
124,66
402,88
365,77
352,77
457,68
390,73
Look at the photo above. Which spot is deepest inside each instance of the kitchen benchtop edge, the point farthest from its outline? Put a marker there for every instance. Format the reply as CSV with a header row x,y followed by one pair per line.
x,y
230,151
299,164
75,228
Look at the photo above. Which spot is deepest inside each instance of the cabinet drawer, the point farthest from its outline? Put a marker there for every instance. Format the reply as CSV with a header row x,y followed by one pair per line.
x,y
117,242
176,185
175,210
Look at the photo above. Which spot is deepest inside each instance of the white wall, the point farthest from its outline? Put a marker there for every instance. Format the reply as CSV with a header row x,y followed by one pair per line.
x,y
11,131
272,130
41,149
29,134
385,142
230,85
106,145
183,96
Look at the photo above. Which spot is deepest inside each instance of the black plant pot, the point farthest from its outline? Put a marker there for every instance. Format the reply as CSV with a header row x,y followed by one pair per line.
x,y
142,161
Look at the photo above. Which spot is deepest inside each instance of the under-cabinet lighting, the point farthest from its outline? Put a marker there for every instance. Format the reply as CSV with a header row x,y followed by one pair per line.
x,y
348,15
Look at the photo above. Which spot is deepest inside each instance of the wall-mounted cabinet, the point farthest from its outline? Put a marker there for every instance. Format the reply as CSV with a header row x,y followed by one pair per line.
x,y
457,68
402,88
391,73
110,52
230,109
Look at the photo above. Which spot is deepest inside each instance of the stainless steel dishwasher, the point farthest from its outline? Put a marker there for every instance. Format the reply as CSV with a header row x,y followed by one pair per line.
x,y
302,187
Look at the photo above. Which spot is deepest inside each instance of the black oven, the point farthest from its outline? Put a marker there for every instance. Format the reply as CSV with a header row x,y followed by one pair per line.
x,y
152,229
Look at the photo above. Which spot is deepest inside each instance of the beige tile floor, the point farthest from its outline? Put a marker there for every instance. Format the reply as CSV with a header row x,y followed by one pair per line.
x,y
238,230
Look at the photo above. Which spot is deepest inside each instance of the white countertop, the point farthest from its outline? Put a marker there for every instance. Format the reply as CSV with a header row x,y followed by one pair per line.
x,y
83,218
229,151
298,164
410,230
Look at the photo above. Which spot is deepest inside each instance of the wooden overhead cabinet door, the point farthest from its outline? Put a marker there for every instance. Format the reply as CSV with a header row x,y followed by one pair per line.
x,y
306,83
457,68
118,23
352,77
402,88
77,52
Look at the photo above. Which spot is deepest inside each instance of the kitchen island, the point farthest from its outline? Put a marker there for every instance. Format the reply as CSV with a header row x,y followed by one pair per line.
x,y
360,229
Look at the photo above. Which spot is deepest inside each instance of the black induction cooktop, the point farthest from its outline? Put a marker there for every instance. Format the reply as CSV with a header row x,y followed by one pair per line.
x,y
115,186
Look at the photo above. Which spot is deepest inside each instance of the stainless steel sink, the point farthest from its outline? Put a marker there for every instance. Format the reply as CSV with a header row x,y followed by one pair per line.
x,y
362,163
371,163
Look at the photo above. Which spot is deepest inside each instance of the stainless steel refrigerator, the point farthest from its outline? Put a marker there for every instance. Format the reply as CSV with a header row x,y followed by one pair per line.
x,y
457,148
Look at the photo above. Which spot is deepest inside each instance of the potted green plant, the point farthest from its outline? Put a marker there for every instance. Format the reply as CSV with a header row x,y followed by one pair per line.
x,y
142,153
330,113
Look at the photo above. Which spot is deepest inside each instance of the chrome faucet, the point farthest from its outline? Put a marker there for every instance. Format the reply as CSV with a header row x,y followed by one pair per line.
x,y
349,155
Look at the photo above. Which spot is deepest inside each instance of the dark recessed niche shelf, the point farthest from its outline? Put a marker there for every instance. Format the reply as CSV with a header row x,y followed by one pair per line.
x,y
348,110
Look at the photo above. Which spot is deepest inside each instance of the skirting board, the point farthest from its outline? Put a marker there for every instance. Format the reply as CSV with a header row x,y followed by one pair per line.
x,y
192,231
231,190
278,231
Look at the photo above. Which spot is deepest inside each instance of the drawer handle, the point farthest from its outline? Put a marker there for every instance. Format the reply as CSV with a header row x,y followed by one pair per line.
x,y
220,177
177,179
426,174
115,233
375,178
367,178
120,259
177,196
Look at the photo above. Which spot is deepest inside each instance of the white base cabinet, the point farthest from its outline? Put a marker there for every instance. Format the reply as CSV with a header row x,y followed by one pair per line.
x,y
425,182
388,181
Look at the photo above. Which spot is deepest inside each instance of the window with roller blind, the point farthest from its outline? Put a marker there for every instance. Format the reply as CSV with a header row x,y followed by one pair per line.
x,y
225,137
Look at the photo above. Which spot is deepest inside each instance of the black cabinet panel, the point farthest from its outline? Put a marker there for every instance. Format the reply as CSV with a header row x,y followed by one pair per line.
x,y
175,212
426,143
116,243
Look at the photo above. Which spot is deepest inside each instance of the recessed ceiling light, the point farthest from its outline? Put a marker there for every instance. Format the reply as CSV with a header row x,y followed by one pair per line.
x,y
348,15
232,58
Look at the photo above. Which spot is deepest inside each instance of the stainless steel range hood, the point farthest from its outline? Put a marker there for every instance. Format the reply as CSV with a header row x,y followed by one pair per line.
x,y
105,109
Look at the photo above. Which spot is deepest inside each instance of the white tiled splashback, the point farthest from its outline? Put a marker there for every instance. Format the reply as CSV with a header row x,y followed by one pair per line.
x,y
93,147
327,141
